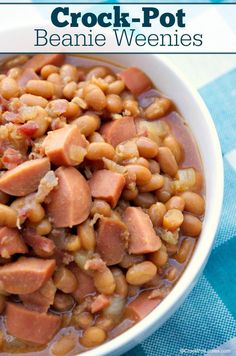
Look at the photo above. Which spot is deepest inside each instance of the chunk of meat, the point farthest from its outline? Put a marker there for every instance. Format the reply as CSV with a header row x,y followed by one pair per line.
x,y
41,299
65,146
46,185
26,75
70,201
26,275
100,302
12,158
141,306
30,325
41,245
85,284
135,80
111,240
11,242
107,185
119,131
29,128
143,238
24,179
38,61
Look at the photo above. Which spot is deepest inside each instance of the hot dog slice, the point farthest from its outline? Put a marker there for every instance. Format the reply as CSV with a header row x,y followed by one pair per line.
x,y
119,131
25,178
26,275
38,61
143,238
107,185
30,325
135,80
85,284
65,146
11,242
111,240
70,201
141,306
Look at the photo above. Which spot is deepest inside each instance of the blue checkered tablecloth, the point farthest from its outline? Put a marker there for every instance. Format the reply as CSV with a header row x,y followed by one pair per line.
x,y
206,322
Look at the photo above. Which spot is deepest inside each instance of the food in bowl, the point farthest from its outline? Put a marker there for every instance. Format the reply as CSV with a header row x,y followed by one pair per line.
x,y
101,201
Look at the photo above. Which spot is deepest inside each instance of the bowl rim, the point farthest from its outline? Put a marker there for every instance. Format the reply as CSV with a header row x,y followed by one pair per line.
x,y
183,287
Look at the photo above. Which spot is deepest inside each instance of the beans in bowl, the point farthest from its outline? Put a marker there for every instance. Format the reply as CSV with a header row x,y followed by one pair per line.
x,y
101,201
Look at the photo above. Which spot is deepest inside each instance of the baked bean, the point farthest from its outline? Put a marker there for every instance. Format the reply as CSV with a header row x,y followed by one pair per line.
x,y
69,90
87,235
72,111
166,190
171,249
87,123
94,97
191,225
156,213
9,88
175,202
145,200
184,251
2,303
121,284
104,282
131,107
100,207
167,161
69,73
156,182
8,216
72,243
199,182
44,227
172,219
154,166
56,79
83,320
4,198
116,87
127,150
36,213
33,100
143,175
147,148
63,302
99,150
110,79
96,137
141,273
194,203
104,323
157,109
65,280
93,336
130,194
64,345
137,161
14,73
41,88
171,142
47,70
97,72
160,257
172,273
114,103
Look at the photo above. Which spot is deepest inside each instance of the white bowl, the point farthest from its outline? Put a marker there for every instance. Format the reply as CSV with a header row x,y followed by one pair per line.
x,y
174,85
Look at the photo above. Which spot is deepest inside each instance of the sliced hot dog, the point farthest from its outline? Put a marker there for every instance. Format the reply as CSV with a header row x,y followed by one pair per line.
x,y
65,146
111,240
26,275
141,306
119,131
107,185
25,178
26,75
135,80
41,299
70,201
30,325
143,238
11,242
38,61
85,284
